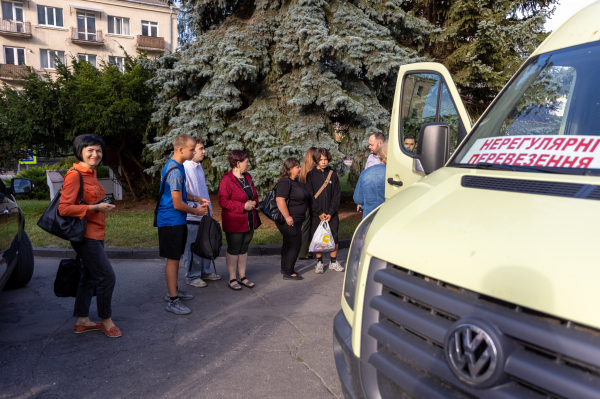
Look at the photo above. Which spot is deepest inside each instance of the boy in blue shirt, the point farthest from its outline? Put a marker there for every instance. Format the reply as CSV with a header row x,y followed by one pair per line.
x,y
171,219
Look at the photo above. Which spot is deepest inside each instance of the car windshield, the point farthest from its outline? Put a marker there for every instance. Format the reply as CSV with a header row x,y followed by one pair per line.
x,y
547,119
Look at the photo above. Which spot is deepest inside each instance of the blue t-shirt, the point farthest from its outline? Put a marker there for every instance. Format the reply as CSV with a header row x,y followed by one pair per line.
x,y
167,214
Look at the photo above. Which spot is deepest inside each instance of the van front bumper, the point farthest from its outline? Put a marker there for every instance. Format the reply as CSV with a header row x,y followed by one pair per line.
x,y
347,364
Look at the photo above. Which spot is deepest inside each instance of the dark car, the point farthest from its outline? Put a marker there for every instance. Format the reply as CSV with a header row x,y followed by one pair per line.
x,y
16,252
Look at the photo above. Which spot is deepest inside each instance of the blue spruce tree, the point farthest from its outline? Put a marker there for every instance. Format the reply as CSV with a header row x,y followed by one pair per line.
x,y
274,78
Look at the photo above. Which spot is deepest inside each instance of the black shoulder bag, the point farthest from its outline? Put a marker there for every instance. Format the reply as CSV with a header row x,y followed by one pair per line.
x,y
269,205
162,191
65,227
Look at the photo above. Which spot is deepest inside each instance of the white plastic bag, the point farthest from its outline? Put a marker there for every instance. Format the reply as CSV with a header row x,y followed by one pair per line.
x,y
322,241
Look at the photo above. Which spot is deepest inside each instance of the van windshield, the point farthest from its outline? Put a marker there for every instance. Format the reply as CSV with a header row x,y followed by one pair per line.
x,y
547,119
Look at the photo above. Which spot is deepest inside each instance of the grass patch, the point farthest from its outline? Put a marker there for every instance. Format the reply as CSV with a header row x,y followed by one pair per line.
x,y
129,228
345,187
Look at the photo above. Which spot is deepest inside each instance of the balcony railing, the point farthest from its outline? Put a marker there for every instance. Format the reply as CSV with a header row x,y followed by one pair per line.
x,y
87,36
12,72
9,27
150,43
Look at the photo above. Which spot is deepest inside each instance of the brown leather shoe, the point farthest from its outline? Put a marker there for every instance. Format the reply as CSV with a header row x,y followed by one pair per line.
x,y
114,331
81,329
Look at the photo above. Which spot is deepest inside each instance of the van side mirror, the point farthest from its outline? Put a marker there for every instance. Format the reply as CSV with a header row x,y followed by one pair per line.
x,y
433,148
21,186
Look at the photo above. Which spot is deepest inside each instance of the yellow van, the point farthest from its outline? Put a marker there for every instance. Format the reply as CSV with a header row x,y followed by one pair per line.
x,y
480,274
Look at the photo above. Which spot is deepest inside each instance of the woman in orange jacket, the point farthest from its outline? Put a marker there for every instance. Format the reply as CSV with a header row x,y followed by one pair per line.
x,y
97,272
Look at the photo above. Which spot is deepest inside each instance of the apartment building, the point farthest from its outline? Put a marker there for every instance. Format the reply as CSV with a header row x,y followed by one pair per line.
x,y
32,32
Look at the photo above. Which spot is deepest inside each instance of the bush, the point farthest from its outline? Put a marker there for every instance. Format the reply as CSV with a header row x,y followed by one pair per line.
x,y
37,174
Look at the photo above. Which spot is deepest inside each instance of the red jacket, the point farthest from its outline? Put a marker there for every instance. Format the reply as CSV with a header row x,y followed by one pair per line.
x,y
232,198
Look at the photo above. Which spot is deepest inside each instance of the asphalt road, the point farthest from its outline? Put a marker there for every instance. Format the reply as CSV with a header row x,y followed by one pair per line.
x,y
274,341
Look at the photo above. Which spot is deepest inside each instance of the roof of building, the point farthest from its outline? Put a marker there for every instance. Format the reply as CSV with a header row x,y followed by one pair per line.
x,y
163,3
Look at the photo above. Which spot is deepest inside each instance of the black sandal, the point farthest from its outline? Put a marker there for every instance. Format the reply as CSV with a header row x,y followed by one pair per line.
x,y
247,283
235,289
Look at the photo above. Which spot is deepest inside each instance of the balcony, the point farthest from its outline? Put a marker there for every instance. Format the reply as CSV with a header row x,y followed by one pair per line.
x,y
8,27
150,43
87,36
12,72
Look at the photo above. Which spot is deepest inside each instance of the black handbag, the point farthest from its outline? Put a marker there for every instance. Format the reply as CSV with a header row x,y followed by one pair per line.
x,y
269,205
67,278
65,227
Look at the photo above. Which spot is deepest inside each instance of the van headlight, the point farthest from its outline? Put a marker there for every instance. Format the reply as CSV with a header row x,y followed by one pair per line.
x,y
354,257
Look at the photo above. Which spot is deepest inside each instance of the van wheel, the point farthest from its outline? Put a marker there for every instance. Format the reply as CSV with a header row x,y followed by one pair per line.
x,y
24,269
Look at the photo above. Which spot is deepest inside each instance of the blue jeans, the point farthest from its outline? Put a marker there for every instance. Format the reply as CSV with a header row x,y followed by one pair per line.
x,y
200,266
97,273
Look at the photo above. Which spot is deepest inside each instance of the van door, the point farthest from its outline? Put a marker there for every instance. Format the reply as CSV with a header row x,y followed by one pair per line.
x,y
425,93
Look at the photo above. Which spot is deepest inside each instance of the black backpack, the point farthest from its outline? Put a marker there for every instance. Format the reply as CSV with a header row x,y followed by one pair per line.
x,y
269,205
208,241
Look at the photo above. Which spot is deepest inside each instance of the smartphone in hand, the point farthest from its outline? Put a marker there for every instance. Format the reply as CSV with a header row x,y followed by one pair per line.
x,y
108,200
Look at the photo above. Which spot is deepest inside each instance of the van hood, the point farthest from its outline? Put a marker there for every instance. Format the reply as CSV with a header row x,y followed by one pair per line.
x,y
536,251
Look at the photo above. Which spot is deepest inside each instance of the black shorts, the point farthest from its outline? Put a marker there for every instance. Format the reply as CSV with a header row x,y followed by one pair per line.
x,y
334,224
171,241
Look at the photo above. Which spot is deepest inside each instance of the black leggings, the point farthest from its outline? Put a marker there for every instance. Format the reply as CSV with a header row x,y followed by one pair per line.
x,y
237,243
292,242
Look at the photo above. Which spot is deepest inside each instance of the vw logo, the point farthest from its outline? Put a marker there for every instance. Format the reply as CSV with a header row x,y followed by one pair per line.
x,y
472,354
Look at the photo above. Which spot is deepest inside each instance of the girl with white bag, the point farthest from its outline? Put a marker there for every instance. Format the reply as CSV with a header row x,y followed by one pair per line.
x,y
323,185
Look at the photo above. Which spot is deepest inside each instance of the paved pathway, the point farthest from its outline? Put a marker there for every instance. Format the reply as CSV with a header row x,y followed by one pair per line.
x,y
271,342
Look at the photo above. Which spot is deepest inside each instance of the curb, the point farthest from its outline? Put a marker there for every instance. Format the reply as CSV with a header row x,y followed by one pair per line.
x,y
253,250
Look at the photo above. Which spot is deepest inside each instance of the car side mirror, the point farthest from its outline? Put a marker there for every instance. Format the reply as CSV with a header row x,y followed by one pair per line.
x,y
21,186
433,149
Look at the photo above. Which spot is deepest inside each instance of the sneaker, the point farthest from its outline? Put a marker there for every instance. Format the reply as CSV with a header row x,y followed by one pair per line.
x,y
195,282
177,307
336,266
320,266
182,295
211,277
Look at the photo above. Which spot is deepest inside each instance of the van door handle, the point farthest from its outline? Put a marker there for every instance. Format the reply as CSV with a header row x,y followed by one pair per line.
x,y
394,182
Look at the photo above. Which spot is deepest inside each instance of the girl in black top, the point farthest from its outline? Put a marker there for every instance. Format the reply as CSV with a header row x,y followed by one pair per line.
x,y
325,206
292,201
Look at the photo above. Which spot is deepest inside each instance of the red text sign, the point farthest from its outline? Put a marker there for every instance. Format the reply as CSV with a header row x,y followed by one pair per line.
x,y
540,151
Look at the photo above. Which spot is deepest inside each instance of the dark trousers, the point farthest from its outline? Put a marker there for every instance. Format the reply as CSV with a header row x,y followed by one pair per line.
x,y
306,237
292,241
97,273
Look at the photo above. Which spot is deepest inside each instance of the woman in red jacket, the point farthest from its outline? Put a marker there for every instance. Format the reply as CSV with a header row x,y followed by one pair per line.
x,y
239,203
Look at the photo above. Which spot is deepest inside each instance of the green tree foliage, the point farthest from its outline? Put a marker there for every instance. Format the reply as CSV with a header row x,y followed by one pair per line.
x,y
482,42
117,105
37,117
274,78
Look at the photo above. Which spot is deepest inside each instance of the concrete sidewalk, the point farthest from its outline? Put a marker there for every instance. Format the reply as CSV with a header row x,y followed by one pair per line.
x,y
274,341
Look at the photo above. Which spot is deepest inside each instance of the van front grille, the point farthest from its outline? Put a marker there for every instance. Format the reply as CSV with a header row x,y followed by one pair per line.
x,y
549,357
539,187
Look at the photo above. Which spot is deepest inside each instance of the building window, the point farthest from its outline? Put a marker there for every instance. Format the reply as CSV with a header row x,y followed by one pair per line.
x,y
49,58
420,91
90,58
86,26
50,16
14,55
118,25
149,28
119,62
12,11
